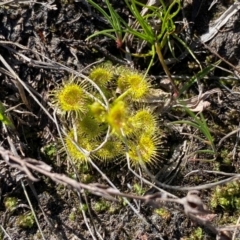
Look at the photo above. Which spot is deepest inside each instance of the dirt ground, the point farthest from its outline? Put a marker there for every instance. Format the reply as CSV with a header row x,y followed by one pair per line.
x,y
33,37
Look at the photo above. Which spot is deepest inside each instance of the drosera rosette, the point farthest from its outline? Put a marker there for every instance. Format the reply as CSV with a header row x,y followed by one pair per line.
x,y
111,150
134,84
102,74
72,97
91,126
143,121
84,141
117,117
144,149
98,111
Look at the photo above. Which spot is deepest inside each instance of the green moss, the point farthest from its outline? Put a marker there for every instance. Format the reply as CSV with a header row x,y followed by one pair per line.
x,y
50,150
72,216
114,208
196,235
228,219
225,157
101,206
83,207
227,196
26,220
10,203
138,189
163,213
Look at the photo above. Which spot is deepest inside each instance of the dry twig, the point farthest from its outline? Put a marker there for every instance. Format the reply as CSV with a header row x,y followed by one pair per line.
x,y
192,203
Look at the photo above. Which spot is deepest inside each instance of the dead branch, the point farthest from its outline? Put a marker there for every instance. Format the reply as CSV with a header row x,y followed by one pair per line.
x,y
192,203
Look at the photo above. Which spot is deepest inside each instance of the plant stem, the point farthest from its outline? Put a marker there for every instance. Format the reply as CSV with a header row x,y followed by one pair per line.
x,y
165,68
123,95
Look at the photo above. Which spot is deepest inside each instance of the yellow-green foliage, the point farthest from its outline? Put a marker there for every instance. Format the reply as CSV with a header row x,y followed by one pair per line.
x,y
196,235
138,189
83,207
163,213
72,216
227,196
143,149
102,75
71,98
101,206
3,117
117,116
134,83
26,220
112,149
50,150
83,141
10,203
88,118
139,120
90,125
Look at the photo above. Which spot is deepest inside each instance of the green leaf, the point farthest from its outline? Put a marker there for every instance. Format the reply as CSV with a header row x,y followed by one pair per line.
x,y
3,118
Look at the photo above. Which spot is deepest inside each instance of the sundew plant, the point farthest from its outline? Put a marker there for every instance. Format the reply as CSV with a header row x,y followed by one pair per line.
x,y
103,133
